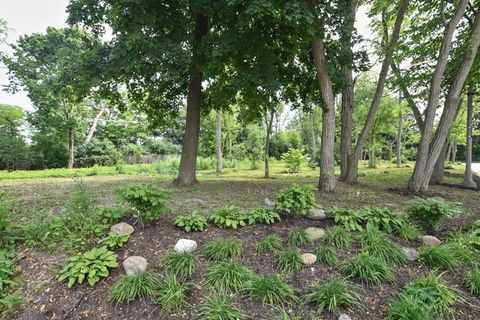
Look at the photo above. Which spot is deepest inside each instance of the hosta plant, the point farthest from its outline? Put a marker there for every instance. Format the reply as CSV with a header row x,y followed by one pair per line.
x,y
296,200
114,240
349,219
229,217
262,215
91,265
382,218
192,222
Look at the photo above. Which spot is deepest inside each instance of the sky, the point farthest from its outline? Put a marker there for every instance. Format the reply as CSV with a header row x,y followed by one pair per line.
x,y
44,13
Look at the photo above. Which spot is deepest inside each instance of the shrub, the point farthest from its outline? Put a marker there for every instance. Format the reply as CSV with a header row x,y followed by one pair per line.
x,y
382,218
193,222
332,294
473,281
130,288
219,308
429,213
221,249
407,308
270,243
228,218
5,236
379,246
149,201
438,256
269,290
10,302
109,216
339,237
172,294
228,276
408,231
180,264
349,219
290,260
368,269
114,240
326,255
296,200
7,272
297,237
91,265
293,159
262,215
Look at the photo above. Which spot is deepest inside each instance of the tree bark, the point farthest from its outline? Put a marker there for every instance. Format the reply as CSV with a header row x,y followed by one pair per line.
x,y
454,152
93,127
268,129
352,170
188,161
468,177
71,146
399,136
449,151
439,169
218,142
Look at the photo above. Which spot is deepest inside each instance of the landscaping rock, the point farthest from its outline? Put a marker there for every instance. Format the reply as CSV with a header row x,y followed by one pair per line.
x,y
185,245
314,233
134,265
411,253
343,316
308,258
429,240
268,202
316,214
122,228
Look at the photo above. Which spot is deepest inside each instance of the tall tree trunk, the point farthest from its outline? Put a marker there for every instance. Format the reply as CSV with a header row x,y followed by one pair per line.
x,y
439,169
454,152
218,142
71,146
93,127
188,161
468,177
399,137
352,171
268,129
449,151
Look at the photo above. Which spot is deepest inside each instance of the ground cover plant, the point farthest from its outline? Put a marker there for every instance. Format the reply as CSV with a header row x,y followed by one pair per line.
x,y
270,243
430,212
370,270
229,217
262,215
289,260
192,222
218,307
297,237
114,240
228,276
130,288
270,290
172,294
349,219
378,245
295,200
473,281
221,249
332,294
339,237
180,264
326,255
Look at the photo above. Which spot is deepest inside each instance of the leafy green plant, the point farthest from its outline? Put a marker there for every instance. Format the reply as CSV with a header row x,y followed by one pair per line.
x,y
297,237
92,265
114,240
180,264
221,249
7,271
172,294
290,260
473,281
407,308
108,216
5,232
339,237
349,219
378,245
293,159
270,290
219,307
262,215
438,256
138,286
270,243
429,213
331,295
229,217
326,255
228,276
368,269
192,222
296,200
382,218
408,231
149,201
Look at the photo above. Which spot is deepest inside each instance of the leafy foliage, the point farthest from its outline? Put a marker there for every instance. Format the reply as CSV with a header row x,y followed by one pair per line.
x,y
219,307
429,213
326,255
378,245
290,260
5,233
130,288
473,281
109,216
180,264
441,256
296,200
92,265
297,237
369,269
193,222
331,295
407,308
172,294
114,240
293,159
228,276
228,217
270,290
408,231
382,218
270,243
9,301
262,215
149,201
221,249
349,219
338,236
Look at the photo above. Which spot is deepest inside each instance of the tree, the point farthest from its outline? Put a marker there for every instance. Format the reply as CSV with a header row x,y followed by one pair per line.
x,y
218,141
14,152
468,177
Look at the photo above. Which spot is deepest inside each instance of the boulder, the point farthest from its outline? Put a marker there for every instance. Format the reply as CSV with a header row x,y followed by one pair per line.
x,y
185,245
316,214
411,253
134,265
314,233
122,228
308,258
343,316
429,240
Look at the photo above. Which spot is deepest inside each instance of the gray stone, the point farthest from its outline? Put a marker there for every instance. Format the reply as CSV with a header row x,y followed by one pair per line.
x,y
122,228
429,240
308,258
316,214
134,265
185,245
411,253
343,316
314,233
268,202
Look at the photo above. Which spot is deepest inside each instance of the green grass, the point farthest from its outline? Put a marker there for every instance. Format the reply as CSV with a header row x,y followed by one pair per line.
x,y
172,294
438,257
297,237
339,237
290,260
368,269
130,288
228,276
219,307
408,308
473,281
408,231
270,243
221,249
331,295
180,264
326,255
378,245
270,290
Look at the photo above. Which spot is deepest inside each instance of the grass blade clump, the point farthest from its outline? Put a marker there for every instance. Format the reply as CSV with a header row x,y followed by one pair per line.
x,y
290,260
228,276
408,308
270,243
331,295
438,257
378,245
297,237
172,294
270,290
130,288
368,269
327,256
339,237
473,281
219,308
222,249
180,264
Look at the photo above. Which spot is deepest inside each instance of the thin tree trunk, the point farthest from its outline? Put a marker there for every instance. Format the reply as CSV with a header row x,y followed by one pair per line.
x,y
468,177
188,161
439,169
71,145
218,142
352,171
399,137
449,152
269,124
454,153
313,137
93,127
